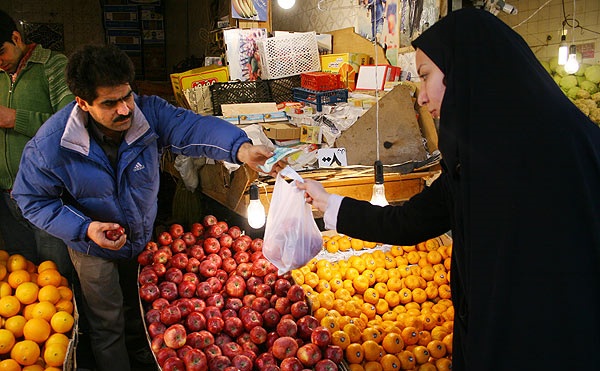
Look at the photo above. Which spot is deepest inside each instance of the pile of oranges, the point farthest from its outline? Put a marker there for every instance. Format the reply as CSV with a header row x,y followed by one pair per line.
x,y
36,315
388,309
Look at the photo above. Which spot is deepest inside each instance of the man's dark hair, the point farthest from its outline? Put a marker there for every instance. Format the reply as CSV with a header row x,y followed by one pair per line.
x,y
7,27
94,66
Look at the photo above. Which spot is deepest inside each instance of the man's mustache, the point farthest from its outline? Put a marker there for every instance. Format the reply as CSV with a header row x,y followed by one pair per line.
x,y
122,118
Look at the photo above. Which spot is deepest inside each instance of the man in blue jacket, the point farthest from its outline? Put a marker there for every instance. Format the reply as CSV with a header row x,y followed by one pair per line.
x,y
94,166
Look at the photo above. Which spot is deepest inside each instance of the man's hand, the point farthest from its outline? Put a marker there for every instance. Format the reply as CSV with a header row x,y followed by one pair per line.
x,y
254,156
96,232
7,117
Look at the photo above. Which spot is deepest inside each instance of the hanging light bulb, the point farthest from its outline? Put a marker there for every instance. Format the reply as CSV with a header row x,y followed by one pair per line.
x,y
286,4
378,197
572,65
563,50
256,210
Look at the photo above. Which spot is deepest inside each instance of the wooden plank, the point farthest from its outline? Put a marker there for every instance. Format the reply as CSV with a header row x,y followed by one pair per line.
x,y
345,40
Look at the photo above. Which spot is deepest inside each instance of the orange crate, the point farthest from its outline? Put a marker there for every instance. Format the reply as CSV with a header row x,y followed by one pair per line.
x,y
320,81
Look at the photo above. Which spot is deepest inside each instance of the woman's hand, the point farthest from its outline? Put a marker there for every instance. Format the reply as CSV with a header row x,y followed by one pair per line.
x,y
316,194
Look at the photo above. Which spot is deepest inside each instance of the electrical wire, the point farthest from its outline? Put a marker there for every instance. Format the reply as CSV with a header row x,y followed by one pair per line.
x,y
532,15
575,23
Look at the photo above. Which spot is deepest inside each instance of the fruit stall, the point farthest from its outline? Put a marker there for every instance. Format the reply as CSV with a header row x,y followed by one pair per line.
x,y
211,301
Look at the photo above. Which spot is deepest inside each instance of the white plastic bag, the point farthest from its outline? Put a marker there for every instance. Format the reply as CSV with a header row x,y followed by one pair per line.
x,y
292,237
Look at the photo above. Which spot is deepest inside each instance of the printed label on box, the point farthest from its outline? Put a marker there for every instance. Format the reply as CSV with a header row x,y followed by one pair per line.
x,y
332,157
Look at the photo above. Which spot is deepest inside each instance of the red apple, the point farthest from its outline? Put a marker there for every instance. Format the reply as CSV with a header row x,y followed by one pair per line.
x,y
179,260
216,300
207,268
256,244
291,364
260,304
244,270
260,267
211,245
240,244
270,279
162,256
215,324
195,321
214,231
176,230
203,290
191,277
282,286
168,290
227,313
173,364
157,343
211,351
326,365
165,238
149,292
306,326
174,275
193,265
334,353
231,349
170,315
254,256
159,268
287,327
215,258
295,293
264,359
151,246
225,252
225,240
188,238
209,220
178,245
194,339
197,229
223,225
321,336
210,311
222,276
186,289
181,352
251,319
219,363
215,283
114,234
234,231
160,303
235,286
163,354
247,300
263,290
309,354
156,328
175,336
283,305
198,303
258,335
206,339
185,306
145,257
242,362
229,264
284,347
234,327
233,303
299,309
241,257
195,360
271,317
197,251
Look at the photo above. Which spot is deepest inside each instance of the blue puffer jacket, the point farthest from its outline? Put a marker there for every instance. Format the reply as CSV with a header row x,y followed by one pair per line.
x,y
65,180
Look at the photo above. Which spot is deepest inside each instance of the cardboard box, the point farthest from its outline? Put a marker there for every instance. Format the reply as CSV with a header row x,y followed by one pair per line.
x,y
125,39
346,65
121,16
281,131
196,77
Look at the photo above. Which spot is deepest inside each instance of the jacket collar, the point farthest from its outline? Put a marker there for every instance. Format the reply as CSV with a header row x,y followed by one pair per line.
x,y
77,138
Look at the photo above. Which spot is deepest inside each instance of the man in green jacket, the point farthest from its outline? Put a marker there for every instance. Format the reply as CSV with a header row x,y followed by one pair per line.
x,y
32,88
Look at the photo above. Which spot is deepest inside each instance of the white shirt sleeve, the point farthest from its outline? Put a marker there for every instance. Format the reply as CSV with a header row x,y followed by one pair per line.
x,y
330,216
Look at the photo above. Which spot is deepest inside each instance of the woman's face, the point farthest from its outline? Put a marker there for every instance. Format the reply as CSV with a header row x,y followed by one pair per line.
x,y
431,92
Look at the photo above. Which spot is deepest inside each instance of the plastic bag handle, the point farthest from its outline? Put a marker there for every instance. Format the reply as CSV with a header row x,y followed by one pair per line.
x,y
289,172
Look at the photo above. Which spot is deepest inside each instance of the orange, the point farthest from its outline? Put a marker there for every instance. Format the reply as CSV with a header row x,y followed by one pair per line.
x,y
437,348
351,273
407,360
7,340
392,343
58,338
45,265
340,338
49,293
330,323
36,329
440,278
25,352
432,290
355,367
390,362
354,353
382,306
370,276
394,284
372,350
3,270
27,292
17,277
28,311
371,333
9,306
447,340
332,246
373,366
412,282
323,285
424,337
443,364
410,335
54,354
381,275
35,367
353,332
49,276
393,298
297,276
421,354
320,313
16,262
381,288
389,262
371,296
10,365
64,305
15,325
360,283
444,291
345,243
434,257
419,295
44,310
357,244
405,296
369,310
342,293
438,333
62,322
326,299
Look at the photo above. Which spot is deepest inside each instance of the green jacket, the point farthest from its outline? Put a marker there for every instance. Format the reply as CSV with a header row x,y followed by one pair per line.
x,y
39,91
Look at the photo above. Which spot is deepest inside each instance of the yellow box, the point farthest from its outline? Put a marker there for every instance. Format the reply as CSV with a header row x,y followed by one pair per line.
x,y
203,76
344,64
